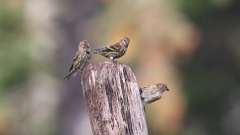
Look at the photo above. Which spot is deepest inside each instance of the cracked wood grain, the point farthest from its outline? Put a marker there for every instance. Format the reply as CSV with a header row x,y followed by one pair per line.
x,y
113,99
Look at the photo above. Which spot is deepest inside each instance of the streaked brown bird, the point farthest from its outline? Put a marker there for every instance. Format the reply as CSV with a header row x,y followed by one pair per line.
x,y
80,59
114,51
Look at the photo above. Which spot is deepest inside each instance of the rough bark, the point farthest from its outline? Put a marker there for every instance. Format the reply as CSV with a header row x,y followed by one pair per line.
x,y
113,99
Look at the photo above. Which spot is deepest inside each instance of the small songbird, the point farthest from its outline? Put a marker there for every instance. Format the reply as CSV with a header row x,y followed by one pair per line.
x,y
80,59
114,51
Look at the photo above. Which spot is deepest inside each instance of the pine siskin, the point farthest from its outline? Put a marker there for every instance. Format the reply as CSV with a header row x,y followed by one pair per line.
x,y
80,59
114,51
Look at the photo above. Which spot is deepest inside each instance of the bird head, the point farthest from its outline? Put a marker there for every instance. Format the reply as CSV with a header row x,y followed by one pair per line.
x,y
125,41
84,45
162,86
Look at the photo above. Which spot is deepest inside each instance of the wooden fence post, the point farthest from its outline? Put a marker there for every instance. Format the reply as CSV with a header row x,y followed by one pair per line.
x,y
114,99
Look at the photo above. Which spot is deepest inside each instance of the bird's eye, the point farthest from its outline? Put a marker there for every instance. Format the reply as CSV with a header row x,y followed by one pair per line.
x,y
88,51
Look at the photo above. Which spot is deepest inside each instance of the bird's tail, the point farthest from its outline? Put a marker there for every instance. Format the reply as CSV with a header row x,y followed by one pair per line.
x,y
68,76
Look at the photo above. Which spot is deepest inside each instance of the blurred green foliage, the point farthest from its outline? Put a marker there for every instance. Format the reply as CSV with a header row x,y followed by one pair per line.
x,y
211,76
196,8
14,49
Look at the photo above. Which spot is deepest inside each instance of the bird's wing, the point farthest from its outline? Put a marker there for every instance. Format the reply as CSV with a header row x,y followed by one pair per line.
x,y
102,50
111,48
76,56
115,47
74,59
71,67
83,59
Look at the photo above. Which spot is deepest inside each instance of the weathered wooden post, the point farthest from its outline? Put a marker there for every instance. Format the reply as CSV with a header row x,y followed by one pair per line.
x,y
114,99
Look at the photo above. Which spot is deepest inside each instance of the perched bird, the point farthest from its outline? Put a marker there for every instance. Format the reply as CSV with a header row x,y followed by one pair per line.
x,y
114,51
80,59
152,93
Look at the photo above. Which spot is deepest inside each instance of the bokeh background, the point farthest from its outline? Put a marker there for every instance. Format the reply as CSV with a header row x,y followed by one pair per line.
x,y
191,45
